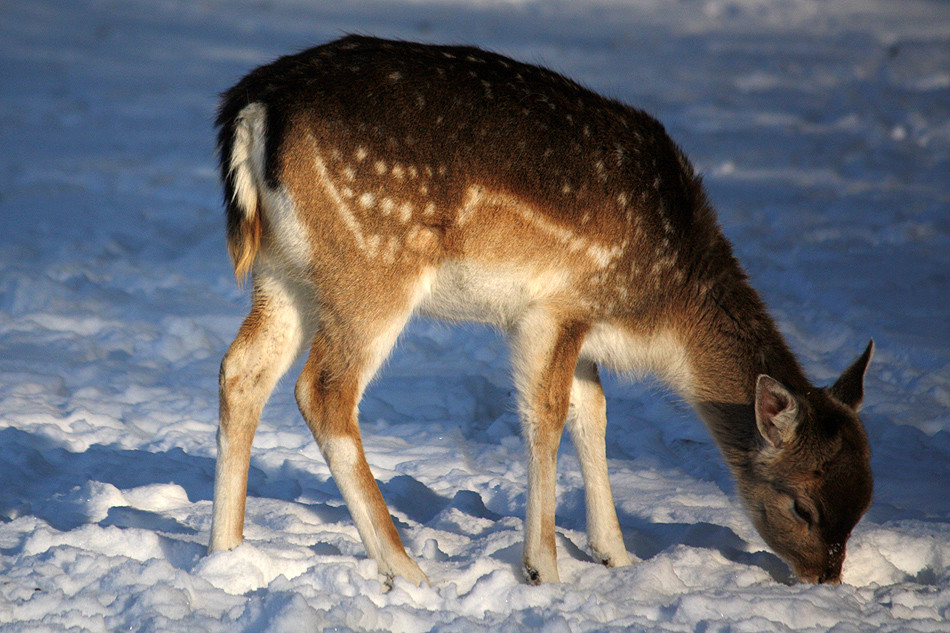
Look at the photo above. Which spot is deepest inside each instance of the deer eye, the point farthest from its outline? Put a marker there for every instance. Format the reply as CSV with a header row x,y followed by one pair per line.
x,y
803,513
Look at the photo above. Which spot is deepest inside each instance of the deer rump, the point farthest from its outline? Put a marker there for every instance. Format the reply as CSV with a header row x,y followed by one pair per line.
x,y
366,180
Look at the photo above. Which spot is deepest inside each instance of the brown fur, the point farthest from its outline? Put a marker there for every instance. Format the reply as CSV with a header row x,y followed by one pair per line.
x,y
243,245
366,180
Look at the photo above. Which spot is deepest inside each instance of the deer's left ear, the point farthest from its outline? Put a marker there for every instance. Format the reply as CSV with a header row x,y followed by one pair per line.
x,y
849,389
776,411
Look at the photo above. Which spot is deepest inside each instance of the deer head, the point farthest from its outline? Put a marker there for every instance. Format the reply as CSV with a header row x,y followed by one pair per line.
x,y
809,479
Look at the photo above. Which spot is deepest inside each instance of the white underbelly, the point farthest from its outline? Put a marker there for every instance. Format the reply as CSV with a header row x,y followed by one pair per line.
x,y
467,292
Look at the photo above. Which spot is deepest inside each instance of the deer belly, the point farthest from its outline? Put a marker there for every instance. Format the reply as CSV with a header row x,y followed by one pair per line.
x,y
463,291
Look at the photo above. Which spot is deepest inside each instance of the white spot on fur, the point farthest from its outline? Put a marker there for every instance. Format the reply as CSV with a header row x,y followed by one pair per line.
x,y
395,76
367,200
399,172
380,167
619,155
361,153
603,256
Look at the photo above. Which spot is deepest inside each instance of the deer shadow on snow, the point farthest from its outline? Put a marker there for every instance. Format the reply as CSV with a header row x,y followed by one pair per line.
x,y
45,479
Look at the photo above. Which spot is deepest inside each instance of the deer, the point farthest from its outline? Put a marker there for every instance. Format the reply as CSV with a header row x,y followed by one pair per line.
x,y
366,181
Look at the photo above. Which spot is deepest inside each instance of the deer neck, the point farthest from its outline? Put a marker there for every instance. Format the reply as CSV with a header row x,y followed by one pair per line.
x,y
729,341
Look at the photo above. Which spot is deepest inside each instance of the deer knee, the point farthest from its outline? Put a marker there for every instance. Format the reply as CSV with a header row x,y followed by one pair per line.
x,y
233,376
241,393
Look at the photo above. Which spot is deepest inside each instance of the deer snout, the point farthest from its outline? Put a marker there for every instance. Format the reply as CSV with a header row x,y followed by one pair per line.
x,y
832,572
827,572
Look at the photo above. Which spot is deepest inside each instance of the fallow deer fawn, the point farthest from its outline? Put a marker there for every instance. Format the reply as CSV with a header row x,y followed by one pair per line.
x,y
367,180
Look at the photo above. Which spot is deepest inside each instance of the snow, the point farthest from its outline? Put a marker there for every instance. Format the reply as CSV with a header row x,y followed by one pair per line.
x,y
823,129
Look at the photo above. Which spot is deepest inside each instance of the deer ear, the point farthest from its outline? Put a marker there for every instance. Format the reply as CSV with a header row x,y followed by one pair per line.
x,y
776,412
849,389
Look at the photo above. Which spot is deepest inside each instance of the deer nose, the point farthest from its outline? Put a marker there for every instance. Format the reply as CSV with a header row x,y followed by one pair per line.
x,y
832,572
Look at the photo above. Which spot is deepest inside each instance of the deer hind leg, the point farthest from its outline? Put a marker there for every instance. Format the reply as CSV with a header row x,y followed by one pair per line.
x,y
545,350
587,425
345,354
266,345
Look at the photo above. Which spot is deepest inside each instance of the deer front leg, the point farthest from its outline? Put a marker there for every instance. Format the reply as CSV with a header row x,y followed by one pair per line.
x,y
545,353
587,424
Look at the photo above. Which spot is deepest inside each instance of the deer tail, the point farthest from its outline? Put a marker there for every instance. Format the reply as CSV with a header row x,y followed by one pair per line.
x,y
242,138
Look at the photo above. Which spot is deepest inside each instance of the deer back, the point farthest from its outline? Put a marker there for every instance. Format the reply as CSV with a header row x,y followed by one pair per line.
x,y
395,154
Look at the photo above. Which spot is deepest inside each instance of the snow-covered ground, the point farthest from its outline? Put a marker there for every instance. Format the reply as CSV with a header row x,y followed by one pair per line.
x,y
823,129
